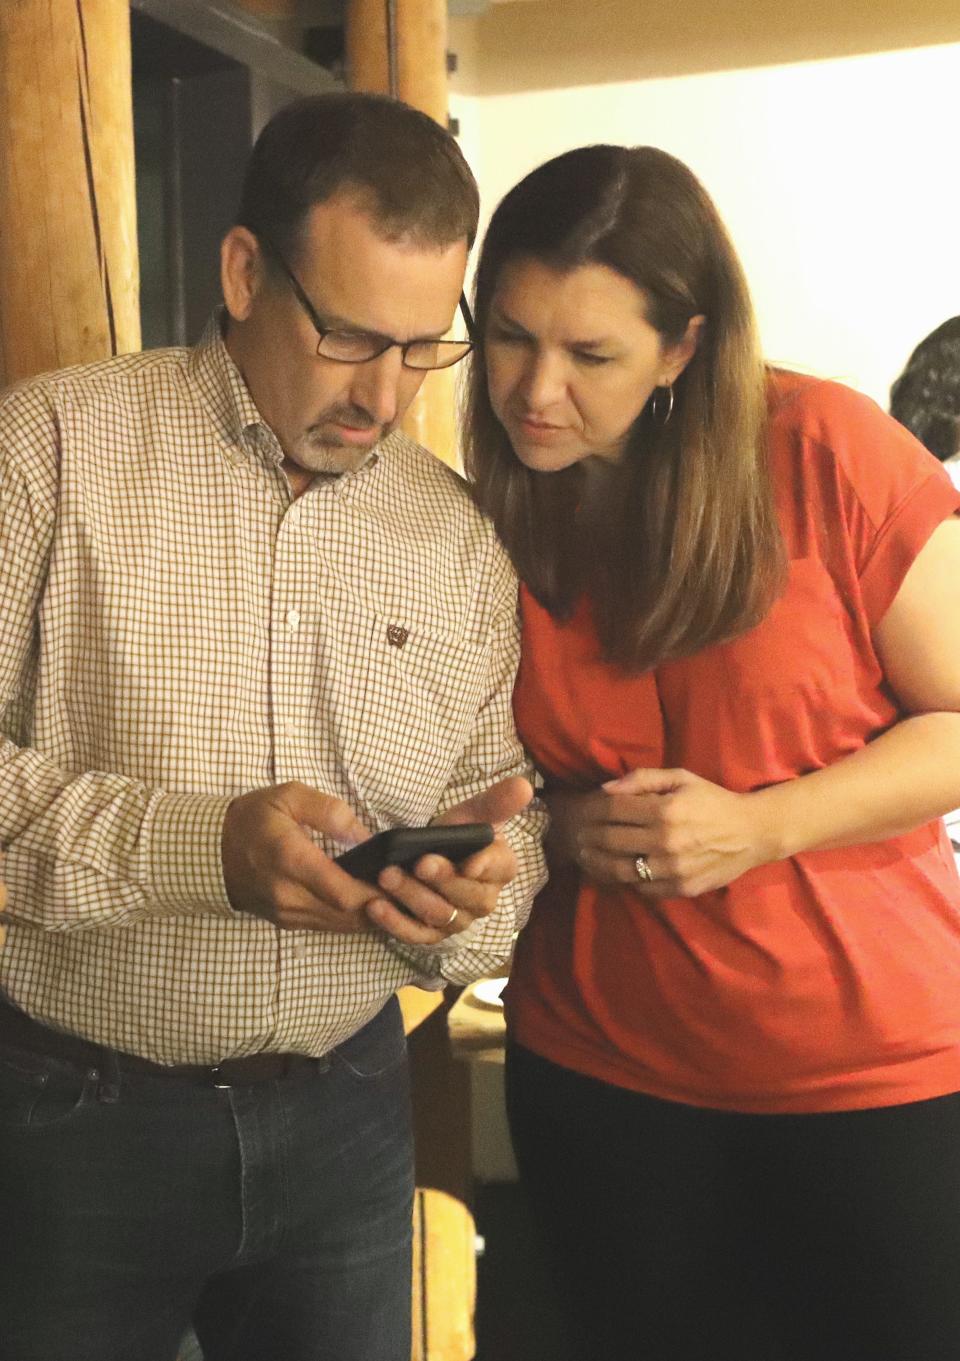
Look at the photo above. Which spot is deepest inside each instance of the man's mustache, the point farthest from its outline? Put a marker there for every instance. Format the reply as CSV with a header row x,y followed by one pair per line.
x,y
354,416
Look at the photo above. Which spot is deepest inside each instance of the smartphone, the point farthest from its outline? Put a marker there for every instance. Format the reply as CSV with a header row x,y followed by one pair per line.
x,y
405,845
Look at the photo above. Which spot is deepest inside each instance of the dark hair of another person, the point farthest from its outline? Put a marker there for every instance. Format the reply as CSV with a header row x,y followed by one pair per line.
x,y
405,169
926,396
686,550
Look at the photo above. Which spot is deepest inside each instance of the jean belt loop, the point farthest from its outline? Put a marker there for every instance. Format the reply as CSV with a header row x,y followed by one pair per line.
x,y
108,1091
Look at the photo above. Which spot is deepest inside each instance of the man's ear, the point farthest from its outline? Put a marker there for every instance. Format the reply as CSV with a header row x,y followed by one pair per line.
x,y
241,271
677,357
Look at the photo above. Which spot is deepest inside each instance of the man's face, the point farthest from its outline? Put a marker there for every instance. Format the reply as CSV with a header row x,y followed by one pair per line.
x,y
328,415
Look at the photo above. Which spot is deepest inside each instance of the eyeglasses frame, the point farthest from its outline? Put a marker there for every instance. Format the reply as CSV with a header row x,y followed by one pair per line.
x,y
300,294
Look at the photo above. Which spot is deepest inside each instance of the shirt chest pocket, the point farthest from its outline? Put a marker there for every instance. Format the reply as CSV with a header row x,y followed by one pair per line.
x,y
405,713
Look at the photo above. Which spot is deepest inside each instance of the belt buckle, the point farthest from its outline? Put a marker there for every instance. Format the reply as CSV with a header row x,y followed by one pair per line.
x,y
248,1070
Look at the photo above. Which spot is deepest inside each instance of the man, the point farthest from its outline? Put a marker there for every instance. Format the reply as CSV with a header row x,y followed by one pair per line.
x,y
243,623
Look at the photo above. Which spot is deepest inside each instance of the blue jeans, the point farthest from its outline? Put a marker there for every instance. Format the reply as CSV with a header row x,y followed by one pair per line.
x,y
275,1216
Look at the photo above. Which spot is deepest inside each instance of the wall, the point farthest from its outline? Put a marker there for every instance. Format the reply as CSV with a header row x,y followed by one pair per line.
x,y
836,176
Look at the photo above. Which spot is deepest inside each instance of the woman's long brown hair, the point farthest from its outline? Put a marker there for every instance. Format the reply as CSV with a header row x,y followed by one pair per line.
x,y
683,548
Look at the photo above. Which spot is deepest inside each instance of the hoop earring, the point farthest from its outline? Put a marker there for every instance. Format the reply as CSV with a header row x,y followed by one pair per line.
x,y
656,410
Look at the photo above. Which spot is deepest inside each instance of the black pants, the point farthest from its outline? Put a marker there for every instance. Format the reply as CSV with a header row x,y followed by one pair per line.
x,y
684,1234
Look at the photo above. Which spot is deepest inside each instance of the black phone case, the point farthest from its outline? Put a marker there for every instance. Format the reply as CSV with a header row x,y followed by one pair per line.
x,y
405,845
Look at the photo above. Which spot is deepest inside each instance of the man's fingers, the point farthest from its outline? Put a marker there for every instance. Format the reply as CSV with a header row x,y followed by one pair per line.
x,y
272,866
435,888
495,805
495,865
428,904
387,916
309,870
315,916
433,898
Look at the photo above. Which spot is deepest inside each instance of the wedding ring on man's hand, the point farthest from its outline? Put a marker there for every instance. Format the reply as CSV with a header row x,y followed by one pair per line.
x,y
452,918
644,872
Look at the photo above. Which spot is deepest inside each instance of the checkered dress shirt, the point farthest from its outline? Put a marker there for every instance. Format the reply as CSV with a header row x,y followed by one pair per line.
x,y
175,629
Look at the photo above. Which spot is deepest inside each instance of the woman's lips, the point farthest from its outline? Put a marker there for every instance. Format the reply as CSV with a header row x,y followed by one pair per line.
x,y
539,432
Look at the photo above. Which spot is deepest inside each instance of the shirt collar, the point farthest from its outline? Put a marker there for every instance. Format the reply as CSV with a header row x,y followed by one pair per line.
x,y
224,393
229,402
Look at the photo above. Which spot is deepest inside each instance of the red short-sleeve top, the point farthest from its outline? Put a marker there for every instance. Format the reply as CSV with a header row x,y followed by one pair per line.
x,y
827,981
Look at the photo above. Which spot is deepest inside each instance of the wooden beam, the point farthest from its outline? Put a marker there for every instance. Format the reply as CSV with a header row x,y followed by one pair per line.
x,y
408,58
68,267
416,1004
271,9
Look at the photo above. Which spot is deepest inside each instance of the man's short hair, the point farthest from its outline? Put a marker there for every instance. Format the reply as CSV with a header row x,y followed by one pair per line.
x,y
401,165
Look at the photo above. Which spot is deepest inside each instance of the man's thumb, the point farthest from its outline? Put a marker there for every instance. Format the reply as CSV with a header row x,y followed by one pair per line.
x,y
322,812
495,805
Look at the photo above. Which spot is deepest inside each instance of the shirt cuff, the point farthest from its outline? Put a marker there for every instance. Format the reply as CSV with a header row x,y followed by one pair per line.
x,y
185,838
472,953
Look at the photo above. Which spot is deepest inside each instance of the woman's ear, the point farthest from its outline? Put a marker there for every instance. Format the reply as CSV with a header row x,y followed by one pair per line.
x,y
677,357
240,271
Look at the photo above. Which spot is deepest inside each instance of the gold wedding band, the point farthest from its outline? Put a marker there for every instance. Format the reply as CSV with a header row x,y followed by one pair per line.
x,y
644,872
452,918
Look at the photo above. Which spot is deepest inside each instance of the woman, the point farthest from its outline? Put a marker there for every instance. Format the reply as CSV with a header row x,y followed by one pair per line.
x,y
735,1016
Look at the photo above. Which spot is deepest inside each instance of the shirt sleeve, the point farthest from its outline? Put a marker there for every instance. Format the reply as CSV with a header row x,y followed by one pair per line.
x,y
895,492
493,753
91,849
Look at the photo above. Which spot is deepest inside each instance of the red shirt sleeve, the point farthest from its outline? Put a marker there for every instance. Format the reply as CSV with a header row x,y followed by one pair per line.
x,y
894,491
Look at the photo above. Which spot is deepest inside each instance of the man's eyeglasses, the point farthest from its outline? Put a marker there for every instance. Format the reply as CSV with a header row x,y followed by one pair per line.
x,y
359,347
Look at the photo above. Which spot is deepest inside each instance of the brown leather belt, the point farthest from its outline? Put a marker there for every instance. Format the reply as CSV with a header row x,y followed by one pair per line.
x,y
21,1030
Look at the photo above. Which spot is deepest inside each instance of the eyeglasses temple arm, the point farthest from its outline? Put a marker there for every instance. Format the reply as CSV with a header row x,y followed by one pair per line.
x,y
468,318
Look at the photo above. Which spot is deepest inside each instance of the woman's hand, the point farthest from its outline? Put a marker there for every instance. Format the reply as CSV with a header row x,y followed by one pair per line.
x,y
694,835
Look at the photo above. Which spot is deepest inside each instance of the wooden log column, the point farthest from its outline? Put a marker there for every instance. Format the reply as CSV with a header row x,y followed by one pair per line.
x,y
418,40
68,225
68,234
414,50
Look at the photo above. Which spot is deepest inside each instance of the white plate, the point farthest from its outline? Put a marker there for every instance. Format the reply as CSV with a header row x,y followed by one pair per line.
x,y
487,991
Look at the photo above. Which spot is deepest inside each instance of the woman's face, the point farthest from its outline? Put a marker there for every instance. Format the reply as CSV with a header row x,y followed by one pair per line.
x,y
572,360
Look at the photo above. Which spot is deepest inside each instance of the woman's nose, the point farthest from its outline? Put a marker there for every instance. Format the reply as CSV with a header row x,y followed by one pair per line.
x,y
543,381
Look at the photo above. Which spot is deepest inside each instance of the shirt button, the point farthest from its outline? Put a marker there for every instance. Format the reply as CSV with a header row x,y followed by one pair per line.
x,y
289,730
293,620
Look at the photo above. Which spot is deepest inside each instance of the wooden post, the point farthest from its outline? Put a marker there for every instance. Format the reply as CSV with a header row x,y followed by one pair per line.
x,y
68,263
68,220
271,9
419,41
444,1287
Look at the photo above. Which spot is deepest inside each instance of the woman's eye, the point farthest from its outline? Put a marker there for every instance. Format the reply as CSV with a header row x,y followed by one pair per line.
x,y
590,359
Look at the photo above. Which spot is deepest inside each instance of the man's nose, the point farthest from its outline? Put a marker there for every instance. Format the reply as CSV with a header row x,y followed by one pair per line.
x,y
376,385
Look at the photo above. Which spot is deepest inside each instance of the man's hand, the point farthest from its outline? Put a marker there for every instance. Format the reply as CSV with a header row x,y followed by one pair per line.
x,y
694,835
442,899
273,870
